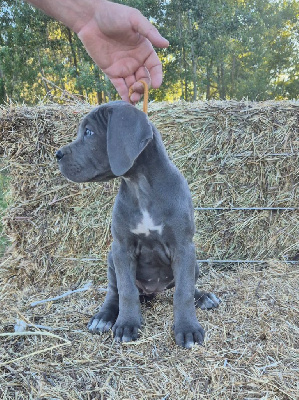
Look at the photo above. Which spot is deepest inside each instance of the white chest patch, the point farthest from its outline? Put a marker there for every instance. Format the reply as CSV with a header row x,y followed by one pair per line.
x,y
147,225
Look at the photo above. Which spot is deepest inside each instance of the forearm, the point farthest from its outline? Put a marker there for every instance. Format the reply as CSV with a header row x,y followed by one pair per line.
x,y
72,13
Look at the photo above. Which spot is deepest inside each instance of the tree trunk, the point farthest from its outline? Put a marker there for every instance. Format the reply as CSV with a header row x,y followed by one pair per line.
x,y
179,25
41,70
233,77
193,58
209,74
98,84
108,93
185,75
2,88
194,69
221,82
74,56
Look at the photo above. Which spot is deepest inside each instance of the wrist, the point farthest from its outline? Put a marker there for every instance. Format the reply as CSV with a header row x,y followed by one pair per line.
x,y
72,13
85,11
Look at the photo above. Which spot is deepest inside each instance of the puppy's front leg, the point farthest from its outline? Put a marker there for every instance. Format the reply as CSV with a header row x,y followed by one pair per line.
x,y
129,318
187,329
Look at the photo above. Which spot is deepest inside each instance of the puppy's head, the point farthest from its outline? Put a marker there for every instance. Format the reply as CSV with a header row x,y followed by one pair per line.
x,y
109,140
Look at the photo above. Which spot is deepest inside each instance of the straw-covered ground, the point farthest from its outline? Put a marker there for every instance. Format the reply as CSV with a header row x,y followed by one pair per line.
x,y
233,154
250,352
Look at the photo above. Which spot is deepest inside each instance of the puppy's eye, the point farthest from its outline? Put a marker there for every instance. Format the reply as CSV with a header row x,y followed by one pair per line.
x,y
88,132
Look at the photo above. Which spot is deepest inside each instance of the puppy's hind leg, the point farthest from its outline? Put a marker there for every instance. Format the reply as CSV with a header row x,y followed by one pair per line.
x,y
146,298
106,317
204,300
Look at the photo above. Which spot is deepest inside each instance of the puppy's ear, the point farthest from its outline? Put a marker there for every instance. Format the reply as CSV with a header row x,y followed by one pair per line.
x,y
128,133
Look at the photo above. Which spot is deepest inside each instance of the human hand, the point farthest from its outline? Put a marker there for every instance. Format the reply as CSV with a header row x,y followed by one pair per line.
x,y
120,40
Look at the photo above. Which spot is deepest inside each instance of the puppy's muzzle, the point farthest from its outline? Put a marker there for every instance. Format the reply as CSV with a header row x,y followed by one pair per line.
x,y
59,154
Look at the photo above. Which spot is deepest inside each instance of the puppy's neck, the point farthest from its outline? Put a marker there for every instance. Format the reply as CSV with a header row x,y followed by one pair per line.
x,y
139,189
145,179
151,161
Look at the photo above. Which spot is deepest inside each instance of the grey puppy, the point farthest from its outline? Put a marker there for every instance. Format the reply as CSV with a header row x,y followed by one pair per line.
x,y
152,221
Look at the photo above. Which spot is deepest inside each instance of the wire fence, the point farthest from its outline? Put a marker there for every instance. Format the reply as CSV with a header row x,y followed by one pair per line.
x,y
228,209
210,261
246,208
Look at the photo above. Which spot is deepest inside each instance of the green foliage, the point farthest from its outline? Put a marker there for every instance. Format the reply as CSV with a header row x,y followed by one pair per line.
x,y
220,49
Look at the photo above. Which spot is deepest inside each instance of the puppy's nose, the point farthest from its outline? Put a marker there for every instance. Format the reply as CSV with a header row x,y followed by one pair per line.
x,y
59,154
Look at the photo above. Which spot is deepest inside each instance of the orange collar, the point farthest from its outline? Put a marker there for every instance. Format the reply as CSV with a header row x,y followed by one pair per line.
x,y
145,95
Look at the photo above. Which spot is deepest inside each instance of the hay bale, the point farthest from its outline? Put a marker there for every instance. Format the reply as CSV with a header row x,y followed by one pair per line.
x,y
238,155
57,228
50,220
232,154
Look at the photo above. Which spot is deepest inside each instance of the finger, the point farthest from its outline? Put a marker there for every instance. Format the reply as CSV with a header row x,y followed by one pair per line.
x,y
123,90
130,80
138,90
135,97
121,87
154,66
146,29
133,82
134,86
143,74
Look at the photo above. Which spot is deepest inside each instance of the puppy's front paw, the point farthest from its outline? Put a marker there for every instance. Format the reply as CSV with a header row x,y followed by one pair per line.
x,y
188,334
126,331
205,300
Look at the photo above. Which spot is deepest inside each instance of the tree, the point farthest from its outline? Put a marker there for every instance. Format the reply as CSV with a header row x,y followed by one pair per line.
x,y
40,58
223,49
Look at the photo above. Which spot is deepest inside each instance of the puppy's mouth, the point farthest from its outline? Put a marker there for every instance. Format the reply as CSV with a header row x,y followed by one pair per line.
x,y
102,177
79,177
75,172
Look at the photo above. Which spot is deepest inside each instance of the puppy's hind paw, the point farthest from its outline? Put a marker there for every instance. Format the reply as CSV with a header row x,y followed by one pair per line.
x,y
98,326
102,322
205,300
